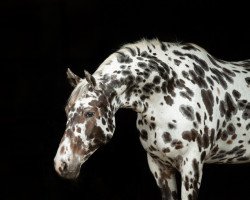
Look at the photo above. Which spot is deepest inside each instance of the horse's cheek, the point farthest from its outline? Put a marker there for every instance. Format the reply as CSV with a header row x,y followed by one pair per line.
x,y
89,126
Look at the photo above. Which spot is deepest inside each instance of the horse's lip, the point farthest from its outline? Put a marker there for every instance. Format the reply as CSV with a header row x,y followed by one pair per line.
x,y
71,174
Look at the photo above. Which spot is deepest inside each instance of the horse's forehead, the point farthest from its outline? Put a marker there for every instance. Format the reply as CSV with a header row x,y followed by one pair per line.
x,y
86,101
81,100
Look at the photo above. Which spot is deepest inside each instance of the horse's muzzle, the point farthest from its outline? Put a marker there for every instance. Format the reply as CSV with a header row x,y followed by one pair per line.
x,y
67,171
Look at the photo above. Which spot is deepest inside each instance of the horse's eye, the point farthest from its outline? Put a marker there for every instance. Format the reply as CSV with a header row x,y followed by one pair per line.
x,y
89,114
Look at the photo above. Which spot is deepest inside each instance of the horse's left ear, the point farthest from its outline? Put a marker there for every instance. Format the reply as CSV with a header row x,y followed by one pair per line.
x,y
73,78
90,79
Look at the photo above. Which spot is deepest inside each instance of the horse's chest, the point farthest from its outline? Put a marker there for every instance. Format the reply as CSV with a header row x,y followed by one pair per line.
x,y
160,135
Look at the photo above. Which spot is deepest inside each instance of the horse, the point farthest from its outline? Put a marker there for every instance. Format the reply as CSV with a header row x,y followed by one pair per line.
x,y
192,109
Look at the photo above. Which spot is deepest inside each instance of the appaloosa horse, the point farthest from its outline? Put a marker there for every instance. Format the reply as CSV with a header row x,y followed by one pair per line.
x,y
192,109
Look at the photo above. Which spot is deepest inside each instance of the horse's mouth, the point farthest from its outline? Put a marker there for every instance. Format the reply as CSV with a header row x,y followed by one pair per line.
x,y
71,174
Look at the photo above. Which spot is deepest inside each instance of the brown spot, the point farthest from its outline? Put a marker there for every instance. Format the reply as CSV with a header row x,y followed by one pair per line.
x,y
214,150
229,142
177,144
152,125
152,148
171,126
89,126
69,133
186,183
168,100
205,140
78,129
144,134
224,135
231,108
187,111
103,121
203,155
99,137
77,146
157,80
196,176
208,100
62,150
190,135
231,129
167,137
156,175
198,117
236,94
166,150
234,136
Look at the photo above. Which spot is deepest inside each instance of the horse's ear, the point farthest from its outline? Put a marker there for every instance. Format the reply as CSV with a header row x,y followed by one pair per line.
x,y
73,79
90,79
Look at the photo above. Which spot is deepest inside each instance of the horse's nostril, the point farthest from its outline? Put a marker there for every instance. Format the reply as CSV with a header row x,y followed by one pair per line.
x,y
63,167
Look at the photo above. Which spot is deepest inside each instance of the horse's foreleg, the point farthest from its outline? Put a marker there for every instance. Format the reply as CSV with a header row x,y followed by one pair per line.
x,y
191,173
165,178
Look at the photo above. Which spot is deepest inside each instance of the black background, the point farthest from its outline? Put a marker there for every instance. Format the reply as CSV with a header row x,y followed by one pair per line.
x,y
40,39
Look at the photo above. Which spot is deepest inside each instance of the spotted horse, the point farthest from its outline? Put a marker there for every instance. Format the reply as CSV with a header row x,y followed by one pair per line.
x,y
192,109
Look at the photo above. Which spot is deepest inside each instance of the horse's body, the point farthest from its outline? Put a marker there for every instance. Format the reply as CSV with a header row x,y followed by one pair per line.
x,y
192,109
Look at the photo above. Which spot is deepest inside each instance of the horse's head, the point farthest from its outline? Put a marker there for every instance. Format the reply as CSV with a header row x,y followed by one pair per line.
x,y
90,124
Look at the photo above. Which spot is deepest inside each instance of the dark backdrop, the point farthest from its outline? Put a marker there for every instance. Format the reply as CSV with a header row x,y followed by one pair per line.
x,y
40,39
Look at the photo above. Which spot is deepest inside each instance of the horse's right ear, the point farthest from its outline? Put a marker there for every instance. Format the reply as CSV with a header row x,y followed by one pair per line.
x,y
73,79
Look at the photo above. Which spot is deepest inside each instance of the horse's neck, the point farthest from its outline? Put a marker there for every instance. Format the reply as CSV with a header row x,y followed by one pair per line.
x,y
129,83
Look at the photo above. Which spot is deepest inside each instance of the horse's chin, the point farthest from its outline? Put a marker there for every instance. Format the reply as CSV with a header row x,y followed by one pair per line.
x,y
71,175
